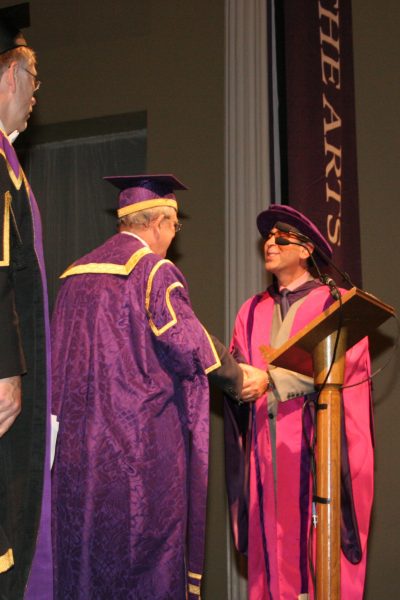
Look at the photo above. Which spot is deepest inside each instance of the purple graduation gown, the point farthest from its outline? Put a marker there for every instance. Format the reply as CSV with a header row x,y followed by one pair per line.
x,y
130,363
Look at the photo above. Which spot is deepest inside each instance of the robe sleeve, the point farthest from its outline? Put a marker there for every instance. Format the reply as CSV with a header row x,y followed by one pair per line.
x,y
229,376
174,323
186,350
239,343
236,429
357,464
186,346
11,355
289,384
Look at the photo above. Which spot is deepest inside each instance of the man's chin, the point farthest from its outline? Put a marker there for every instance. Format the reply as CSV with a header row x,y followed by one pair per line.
x,y
270,266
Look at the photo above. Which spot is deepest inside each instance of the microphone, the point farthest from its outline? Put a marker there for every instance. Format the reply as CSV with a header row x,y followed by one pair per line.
x,y
303,238
324,279
335,292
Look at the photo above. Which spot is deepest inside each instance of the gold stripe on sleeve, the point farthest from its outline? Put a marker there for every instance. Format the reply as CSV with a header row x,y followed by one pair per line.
x,y
194,575
217,363
16,179
194,589
174,285
173,320
6,561
5,258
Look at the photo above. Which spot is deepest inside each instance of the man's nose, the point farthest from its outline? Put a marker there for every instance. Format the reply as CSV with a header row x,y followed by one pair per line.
x,y
271,240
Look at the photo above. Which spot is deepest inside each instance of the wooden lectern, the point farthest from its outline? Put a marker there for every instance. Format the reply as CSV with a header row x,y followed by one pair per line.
x,y
310,352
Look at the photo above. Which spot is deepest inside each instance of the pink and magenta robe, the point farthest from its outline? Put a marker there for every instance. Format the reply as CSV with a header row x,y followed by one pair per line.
x,y
270,489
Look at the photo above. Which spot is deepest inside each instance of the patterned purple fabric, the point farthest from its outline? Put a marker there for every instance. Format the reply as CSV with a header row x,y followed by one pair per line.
x,y
131,395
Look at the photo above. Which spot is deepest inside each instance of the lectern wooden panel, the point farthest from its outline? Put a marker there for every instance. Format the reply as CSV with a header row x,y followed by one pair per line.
x,y
362,313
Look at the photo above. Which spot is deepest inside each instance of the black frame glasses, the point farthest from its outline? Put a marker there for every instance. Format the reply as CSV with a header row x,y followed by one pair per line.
x,y
36,82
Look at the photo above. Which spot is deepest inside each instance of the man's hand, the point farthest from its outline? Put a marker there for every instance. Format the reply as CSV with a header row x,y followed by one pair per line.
x,y
255,382
10,402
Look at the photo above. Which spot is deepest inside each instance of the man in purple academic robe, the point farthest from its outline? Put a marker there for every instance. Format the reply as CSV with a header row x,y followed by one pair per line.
x,y
267,452
25,540
130,364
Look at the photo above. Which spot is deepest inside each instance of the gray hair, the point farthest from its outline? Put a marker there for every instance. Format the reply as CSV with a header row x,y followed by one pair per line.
x,y
143,218
21,54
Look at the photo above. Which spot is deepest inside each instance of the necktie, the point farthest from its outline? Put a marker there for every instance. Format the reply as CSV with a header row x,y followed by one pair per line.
x,y
284,302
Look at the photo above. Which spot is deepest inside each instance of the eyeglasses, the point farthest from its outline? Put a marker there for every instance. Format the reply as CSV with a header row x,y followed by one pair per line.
x,y
36,82
177,226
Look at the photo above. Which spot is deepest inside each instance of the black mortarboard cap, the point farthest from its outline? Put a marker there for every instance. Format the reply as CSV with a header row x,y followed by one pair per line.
x,y
12,20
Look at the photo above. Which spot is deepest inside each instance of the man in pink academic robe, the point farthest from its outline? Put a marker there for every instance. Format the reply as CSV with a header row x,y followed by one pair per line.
x,y
270,485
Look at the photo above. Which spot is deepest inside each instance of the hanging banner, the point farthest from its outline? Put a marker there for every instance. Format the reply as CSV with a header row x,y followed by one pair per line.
x,y
318,143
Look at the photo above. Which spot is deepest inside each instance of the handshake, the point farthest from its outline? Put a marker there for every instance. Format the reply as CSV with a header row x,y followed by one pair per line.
x,y
255,382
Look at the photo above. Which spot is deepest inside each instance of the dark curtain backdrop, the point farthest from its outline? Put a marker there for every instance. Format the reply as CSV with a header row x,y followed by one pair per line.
x,y
77,206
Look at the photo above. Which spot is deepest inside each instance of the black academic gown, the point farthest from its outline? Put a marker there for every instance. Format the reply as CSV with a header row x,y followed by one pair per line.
x,y
22,352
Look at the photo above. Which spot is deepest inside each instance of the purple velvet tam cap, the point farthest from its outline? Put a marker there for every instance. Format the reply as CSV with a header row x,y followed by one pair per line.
x,y
279,213
140,192
12,19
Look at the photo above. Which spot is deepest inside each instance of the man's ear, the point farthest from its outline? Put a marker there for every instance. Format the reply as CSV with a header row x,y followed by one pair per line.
x,y
310,250
159,220
155,225
9,76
